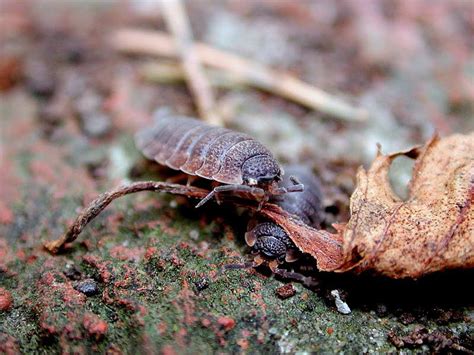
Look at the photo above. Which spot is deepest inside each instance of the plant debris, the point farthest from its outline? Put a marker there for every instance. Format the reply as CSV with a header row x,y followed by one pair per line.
x,y
436,340
432,230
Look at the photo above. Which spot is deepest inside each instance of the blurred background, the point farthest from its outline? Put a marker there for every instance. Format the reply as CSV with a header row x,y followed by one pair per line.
x,y
63,79
74,89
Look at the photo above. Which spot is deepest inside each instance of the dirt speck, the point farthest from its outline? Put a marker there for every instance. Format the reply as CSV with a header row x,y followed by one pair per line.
x,y
286,291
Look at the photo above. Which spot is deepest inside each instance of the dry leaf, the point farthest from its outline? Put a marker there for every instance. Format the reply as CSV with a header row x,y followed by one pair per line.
x,y
325,247
432,230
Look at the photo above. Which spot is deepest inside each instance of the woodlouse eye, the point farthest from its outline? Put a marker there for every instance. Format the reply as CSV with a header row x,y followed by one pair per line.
x,y
252,182
261,168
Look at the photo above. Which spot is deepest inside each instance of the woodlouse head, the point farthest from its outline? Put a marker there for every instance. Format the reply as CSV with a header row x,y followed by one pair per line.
x,y
261,170
271,242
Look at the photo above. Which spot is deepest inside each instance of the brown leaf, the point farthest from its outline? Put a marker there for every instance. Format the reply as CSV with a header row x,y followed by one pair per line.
x,y
432,230
325,247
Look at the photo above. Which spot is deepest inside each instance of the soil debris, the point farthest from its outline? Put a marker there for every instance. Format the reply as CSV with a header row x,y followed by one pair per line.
x,y
286,291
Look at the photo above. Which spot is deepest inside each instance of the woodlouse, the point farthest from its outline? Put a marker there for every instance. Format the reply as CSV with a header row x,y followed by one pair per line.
x,y
268,240
236,160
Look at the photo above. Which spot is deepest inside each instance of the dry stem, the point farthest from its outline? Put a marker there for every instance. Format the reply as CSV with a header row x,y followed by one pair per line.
x,y
101,202
178,23
247,71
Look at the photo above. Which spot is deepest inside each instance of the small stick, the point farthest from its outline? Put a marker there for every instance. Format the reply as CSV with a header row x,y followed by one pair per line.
x,y
101,202
247,71
171,72
178,23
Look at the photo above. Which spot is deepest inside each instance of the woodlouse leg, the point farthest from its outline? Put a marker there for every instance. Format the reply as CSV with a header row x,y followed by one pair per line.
x,y
257,192
297,187
305,280
247,265
250,264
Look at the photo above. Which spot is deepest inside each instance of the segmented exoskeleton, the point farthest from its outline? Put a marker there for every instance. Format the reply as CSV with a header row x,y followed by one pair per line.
x,y
270,243
239,162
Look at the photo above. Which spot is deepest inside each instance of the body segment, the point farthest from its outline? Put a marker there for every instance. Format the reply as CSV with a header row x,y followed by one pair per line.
x,y
234,159
199,149
268,239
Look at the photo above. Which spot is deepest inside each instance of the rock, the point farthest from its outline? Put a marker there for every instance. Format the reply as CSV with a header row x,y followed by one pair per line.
x,y
88,287
342,307
72,272
201,284
40,78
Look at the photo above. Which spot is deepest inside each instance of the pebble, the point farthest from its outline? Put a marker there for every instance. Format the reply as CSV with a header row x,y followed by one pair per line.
x,y
88,287
201,284
342,307
40,79
71,272
94,122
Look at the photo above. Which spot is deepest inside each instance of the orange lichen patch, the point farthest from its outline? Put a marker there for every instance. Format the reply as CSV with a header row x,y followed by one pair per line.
x,y
10,72
226,323
205,322
6,300
430,231
186,303
95,326
48,168
100,265
243,343
168,350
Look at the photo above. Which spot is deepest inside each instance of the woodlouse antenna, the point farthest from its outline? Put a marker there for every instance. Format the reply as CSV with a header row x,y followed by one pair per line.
x,y
291,275
296,187
256,193
246,265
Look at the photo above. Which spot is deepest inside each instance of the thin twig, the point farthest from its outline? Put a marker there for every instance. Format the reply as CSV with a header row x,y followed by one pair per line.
x,y
101,202
178,23
247,71
326,248
166,72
